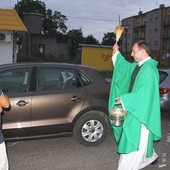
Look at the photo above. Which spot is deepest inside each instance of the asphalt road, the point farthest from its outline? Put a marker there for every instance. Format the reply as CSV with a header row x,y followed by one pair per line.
x,y
65,153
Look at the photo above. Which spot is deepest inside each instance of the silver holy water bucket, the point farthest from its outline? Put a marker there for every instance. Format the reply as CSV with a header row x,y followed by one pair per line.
x,y
117,116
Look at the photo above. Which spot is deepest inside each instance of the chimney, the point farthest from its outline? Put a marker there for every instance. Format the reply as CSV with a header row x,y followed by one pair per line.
x,y
33,22
161,6
140,13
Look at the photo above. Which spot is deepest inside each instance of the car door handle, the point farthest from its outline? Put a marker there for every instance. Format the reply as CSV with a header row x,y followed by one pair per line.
x,y
21,103
75,98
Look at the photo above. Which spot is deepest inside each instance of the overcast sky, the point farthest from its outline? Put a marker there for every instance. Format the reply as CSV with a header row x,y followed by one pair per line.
x,y
96,17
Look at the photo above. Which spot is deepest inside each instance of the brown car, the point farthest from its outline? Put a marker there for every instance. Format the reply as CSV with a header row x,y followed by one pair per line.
x,y
49,99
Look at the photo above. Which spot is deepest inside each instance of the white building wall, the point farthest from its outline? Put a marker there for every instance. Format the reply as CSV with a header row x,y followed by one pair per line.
x,y
6,48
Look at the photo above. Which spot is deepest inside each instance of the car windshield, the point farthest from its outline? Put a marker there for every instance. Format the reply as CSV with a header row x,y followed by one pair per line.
x,y
162,76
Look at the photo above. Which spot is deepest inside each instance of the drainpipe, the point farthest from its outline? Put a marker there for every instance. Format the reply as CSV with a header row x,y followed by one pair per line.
x,y
14,56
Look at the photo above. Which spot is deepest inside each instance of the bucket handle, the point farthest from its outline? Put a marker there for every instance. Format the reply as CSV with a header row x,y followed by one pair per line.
x,y
120,104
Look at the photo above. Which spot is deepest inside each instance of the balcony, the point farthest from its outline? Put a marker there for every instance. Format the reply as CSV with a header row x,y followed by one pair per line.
x,y
139,27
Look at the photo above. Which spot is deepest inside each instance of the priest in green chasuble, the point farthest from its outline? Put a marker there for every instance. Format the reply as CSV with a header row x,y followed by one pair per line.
x,y
135,87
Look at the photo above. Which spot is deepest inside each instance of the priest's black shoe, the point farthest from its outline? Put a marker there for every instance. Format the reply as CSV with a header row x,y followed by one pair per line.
x,y
155,162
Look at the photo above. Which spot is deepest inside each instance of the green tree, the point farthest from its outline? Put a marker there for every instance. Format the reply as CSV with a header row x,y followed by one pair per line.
x,y
53,23
109,39
48,24
76,37
28,6
90,40
60,21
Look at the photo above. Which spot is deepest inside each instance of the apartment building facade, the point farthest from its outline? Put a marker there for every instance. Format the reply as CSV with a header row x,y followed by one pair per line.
x,y
153,27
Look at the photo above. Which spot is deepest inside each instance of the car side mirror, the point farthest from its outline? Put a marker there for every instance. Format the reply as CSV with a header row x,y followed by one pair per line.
x,y
5,91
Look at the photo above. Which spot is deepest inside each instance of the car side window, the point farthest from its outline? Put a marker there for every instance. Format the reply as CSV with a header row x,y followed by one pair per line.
x,y
15,80
50,79
70,80
85,80
162,76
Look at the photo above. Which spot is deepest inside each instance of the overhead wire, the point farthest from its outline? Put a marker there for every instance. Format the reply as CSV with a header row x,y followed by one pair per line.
x,y
96,19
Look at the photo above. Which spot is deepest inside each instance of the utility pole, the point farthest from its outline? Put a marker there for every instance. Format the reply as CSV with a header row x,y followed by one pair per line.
x,y
119,19
126,44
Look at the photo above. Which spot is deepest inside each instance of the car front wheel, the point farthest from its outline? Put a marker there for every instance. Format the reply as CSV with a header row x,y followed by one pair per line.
x,y
91,128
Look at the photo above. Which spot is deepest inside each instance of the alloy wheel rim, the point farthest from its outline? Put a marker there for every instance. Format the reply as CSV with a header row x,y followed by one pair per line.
x,y
92,130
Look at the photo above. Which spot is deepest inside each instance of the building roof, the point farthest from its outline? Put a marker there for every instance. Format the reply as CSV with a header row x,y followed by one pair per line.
x,y
10,20
97,46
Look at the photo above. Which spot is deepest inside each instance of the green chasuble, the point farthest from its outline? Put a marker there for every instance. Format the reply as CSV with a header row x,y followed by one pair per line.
x,y
142,104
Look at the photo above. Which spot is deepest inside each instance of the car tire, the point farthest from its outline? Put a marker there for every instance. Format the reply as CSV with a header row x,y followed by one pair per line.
x,y
91,128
